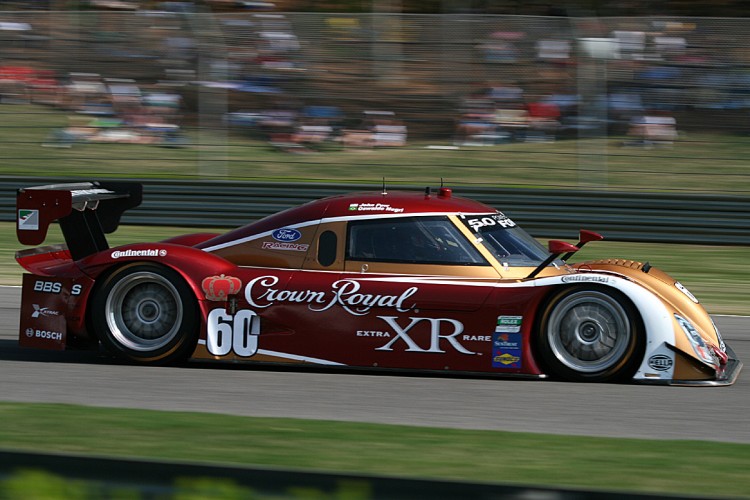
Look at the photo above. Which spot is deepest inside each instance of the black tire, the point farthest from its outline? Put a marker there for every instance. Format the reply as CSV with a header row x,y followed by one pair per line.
x,y
590,334
146,313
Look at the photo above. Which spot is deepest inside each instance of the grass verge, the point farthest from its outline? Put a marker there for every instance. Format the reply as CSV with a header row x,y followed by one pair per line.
x,y
686,467
695,163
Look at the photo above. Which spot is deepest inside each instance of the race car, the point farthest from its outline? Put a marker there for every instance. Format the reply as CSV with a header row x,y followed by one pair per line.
x,y
409,281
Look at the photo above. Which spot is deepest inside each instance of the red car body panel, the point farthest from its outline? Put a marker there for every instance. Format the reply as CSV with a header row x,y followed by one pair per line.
x,y
300,287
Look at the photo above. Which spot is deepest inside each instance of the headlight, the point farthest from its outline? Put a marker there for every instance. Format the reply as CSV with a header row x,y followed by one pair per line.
x,y
699,345
684,290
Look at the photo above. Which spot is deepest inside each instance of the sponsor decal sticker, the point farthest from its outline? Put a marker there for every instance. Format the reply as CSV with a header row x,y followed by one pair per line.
x,y
506,360
43,334
374,207
55,287
261,292
219,288
43,311
580,278
47,286
373,333
507,350
477,338
508,324
286,234
278,245
28,220
660,362
150,252
441,332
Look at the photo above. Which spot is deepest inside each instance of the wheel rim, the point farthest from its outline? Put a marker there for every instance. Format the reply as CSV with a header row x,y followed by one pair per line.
x,y
589,332
144,311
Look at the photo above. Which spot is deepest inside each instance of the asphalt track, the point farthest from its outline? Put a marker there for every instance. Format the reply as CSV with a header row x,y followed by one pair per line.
x,y
702,413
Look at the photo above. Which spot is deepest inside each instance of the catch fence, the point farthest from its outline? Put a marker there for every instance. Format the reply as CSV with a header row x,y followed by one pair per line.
x,y
665,218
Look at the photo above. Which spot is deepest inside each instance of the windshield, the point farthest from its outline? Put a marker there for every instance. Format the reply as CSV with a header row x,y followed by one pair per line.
x,y
510,244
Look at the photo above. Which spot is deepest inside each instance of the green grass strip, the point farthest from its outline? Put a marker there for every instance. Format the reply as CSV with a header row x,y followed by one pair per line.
x,y
683,467
697,162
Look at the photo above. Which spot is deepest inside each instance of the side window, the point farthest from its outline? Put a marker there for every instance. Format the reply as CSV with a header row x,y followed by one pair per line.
x,y
327,248
418,240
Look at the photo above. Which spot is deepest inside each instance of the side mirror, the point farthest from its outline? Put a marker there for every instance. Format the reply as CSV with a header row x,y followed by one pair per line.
x,y
585,236
557,247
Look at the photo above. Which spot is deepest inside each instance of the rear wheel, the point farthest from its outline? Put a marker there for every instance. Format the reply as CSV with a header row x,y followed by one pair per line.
x,y
590,334
146,313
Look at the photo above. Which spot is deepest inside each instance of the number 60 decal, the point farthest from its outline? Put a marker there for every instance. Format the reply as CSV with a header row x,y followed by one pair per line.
x,y
238,332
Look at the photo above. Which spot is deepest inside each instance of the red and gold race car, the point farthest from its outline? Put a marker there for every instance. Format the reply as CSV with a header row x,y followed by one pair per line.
x,y
416,281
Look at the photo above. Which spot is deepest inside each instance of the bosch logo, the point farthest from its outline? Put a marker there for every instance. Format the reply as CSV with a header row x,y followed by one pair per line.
x,y
286,235
44,334
660,362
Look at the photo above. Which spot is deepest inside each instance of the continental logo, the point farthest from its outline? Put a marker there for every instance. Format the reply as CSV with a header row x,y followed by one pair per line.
x,y
583,278
150,252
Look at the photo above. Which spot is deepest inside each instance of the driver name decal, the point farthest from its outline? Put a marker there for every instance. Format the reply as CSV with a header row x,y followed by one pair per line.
x,y
261,292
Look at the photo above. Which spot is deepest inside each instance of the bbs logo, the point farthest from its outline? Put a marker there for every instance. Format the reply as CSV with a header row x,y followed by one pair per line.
x,y
55,287
47,286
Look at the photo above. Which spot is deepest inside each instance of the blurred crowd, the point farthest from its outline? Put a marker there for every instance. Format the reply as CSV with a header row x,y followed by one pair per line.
x,y
304,83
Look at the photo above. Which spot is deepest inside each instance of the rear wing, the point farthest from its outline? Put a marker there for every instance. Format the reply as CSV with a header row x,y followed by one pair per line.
x,y
85,211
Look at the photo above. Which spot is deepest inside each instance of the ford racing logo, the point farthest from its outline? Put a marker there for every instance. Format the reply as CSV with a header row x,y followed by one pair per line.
x,y
286,234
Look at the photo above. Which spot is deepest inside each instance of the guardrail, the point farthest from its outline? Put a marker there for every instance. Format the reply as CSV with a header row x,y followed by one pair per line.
x,y
646,217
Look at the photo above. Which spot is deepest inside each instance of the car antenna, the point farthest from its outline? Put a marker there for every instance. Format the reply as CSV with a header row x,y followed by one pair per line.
x,y
384,190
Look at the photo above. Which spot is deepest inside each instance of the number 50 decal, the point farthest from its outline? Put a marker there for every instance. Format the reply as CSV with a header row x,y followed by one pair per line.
x,y
238,332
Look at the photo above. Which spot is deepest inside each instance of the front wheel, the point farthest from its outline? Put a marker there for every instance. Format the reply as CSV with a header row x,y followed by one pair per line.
x,y
146,313
590,334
